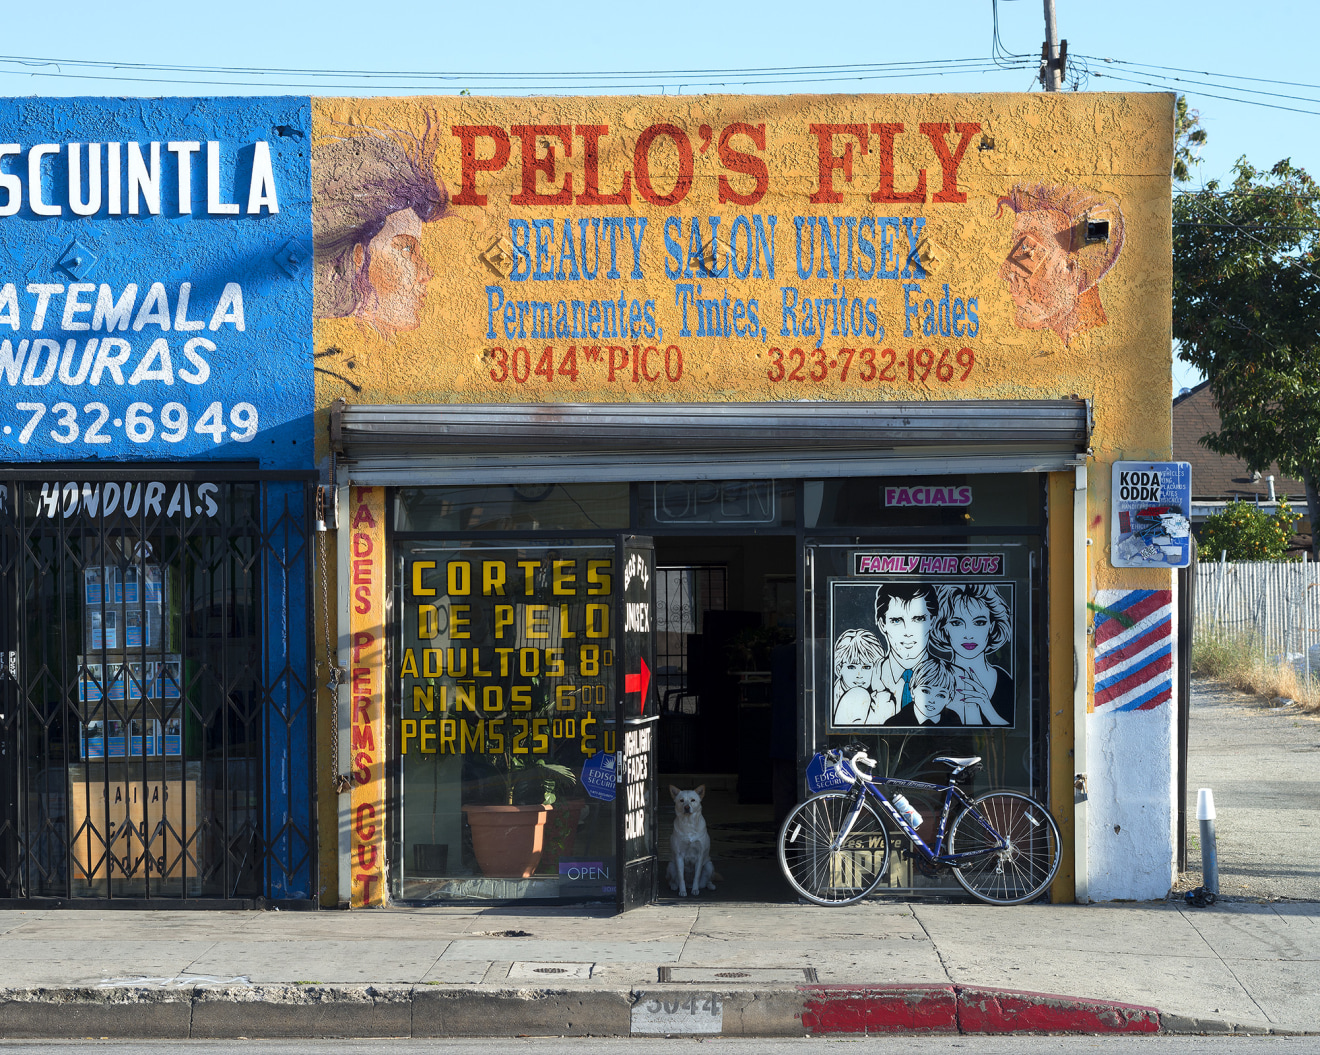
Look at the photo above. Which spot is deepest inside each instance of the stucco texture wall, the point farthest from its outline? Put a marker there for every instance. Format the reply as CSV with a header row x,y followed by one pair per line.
x,y
1106,156
922,248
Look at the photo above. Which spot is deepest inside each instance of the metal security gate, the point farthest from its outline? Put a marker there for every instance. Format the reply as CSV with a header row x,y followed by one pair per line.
x,y
157,711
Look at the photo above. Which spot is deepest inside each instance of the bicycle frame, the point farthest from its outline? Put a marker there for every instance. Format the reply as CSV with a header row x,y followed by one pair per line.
x,y
864,786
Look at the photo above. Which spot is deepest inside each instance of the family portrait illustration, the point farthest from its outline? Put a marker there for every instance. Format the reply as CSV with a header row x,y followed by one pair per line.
x,y
932,655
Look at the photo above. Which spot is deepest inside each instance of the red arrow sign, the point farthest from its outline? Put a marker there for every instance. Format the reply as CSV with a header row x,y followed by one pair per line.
x,y
638,682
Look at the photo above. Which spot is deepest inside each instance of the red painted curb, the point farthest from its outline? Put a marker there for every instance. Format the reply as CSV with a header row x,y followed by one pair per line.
x,y
964,1009
1011,1011
880,1009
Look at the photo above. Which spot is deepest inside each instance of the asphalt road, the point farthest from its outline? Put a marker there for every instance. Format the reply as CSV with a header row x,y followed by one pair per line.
x,y
904,1045
1263,764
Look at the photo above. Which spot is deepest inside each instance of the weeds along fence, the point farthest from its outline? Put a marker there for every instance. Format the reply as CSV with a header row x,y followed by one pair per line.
x,y
1274,605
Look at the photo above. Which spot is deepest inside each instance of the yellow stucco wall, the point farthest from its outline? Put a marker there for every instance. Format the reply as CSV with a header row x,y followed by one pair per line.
x,y
1115,145
405,316
430,342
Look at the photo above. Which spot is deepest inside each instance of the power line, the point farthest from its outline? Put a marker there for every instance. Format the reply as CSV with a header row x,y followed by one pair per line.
x,y
1229,87
238,76
457,82
320,71
1278,191
1210,95
1242,227
1206,73
1003,57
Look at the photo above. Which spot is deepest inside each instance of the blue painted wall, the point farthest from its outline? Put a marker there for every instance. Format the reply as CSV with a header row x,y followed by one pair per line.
x,y
100,356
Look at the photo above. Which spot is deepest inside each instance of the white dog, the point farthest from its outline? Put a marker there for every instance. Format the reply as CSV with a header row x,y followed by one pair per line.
x,y
690,844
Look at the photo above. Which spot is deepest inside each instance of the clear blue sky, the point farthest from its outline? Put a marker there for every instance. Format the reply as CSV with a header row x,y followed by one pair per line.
x,y
1273,40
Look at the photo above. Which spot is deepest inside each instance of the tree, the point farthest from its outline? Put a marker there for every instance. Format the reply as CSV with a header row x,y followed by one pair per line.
x,y
1188,139
1242,531
1246,309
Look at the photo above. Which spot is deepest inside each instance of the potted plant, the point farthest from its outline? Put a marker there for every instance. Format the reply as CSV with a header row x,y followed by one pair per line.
x,y
508,836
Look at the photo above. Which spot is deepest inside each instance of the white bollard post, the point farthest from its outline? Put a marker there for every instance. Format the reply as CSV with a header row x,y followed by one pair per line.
x,y
1205,813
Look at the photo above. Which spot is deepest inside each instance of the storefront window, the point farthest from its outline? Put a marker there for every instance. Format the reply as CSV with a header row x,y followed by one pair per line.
x,y
694,504
505,719
963,500
923,647
516,507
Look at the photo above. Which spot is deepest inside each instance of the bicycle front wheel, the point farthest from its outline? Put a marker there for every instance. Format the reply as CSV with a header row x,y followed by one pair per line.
x,y
825,875
1026,864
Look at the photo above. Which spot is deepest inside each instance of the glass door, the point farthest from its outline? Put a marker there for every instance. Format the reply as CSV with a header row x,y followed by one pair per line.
x,y
505,718
922,650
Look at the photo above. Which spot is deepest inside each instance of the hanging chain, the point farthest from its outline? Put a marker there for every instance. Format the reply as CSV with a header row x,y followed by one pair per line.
x,y
338,675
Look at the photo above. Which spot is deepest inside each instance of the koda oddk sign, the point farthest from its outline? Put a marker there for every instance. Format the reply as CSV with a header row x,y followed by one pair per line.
x,y
1152,515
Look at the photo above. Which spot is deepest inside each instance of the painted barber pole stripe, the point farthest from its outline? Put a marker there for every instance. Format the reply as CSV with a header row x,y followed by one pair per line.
x,y
1133,649
1153,638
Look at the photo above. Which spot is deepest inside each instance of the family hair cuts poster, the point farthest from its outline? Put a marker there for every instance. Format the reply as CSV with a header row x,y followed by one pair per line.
x,y
925,641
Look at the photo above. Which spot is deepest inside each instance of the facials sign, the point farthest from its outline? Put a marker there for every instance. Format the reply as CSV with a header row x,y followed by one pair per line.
x,y
155,280
928,496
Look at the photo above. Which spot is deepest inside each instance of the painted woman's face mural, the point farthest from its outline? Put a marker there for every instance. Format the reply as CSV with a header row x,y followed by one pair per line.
x,y
397,274
1064,241
374,189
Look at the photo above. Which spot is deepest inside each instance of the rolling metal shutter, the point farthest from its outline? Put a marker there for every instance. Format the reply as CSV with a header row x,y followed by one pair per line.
x,y
409,445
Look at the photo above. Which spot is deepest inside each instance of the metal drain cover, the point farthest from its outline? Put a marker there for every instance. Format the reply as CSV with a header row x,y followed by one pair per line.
x,y
737,975
545,972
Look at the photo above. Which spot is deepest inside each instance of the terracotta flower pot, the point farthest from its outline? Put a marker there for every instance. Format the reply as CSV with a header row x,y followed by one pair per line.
x,y
561,833
507,840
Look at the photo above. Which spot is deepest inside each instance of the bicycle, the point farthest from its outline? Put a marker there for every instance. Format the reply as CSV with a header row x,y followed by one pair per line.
x,y
834,847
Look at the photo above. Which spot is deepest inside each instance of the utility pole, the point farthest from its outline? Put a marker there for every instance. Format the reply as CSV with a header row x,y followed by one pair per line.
x,y
1052,56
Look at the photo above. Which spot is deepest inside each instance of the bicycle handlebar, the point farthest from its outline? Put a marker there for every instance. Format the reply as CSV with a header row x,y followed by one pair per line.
x,y
856,755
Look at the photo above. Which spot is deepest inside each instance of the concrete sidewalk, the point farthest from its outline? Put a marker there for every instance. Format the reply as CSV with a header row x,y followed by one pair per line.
x,y
730,968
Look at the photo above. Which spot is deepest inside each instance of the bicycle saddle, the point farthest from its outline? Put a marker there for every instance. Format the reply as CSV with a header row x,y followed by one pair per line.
x,y
959,764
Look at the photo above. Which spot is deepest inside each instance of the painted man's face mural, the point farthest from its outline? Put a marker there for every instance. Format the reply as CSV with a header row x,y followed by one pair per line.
x,y
1064,240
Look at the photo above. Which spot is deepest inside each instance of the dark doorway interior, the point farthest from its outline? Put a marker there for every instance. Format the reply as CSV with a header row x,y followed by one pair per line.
x,y
727,682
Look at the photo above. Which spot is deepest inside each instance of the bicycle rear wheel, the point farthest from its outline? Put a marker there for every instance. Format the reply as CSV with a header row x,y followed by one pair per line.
x,y
823,875
1025,867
